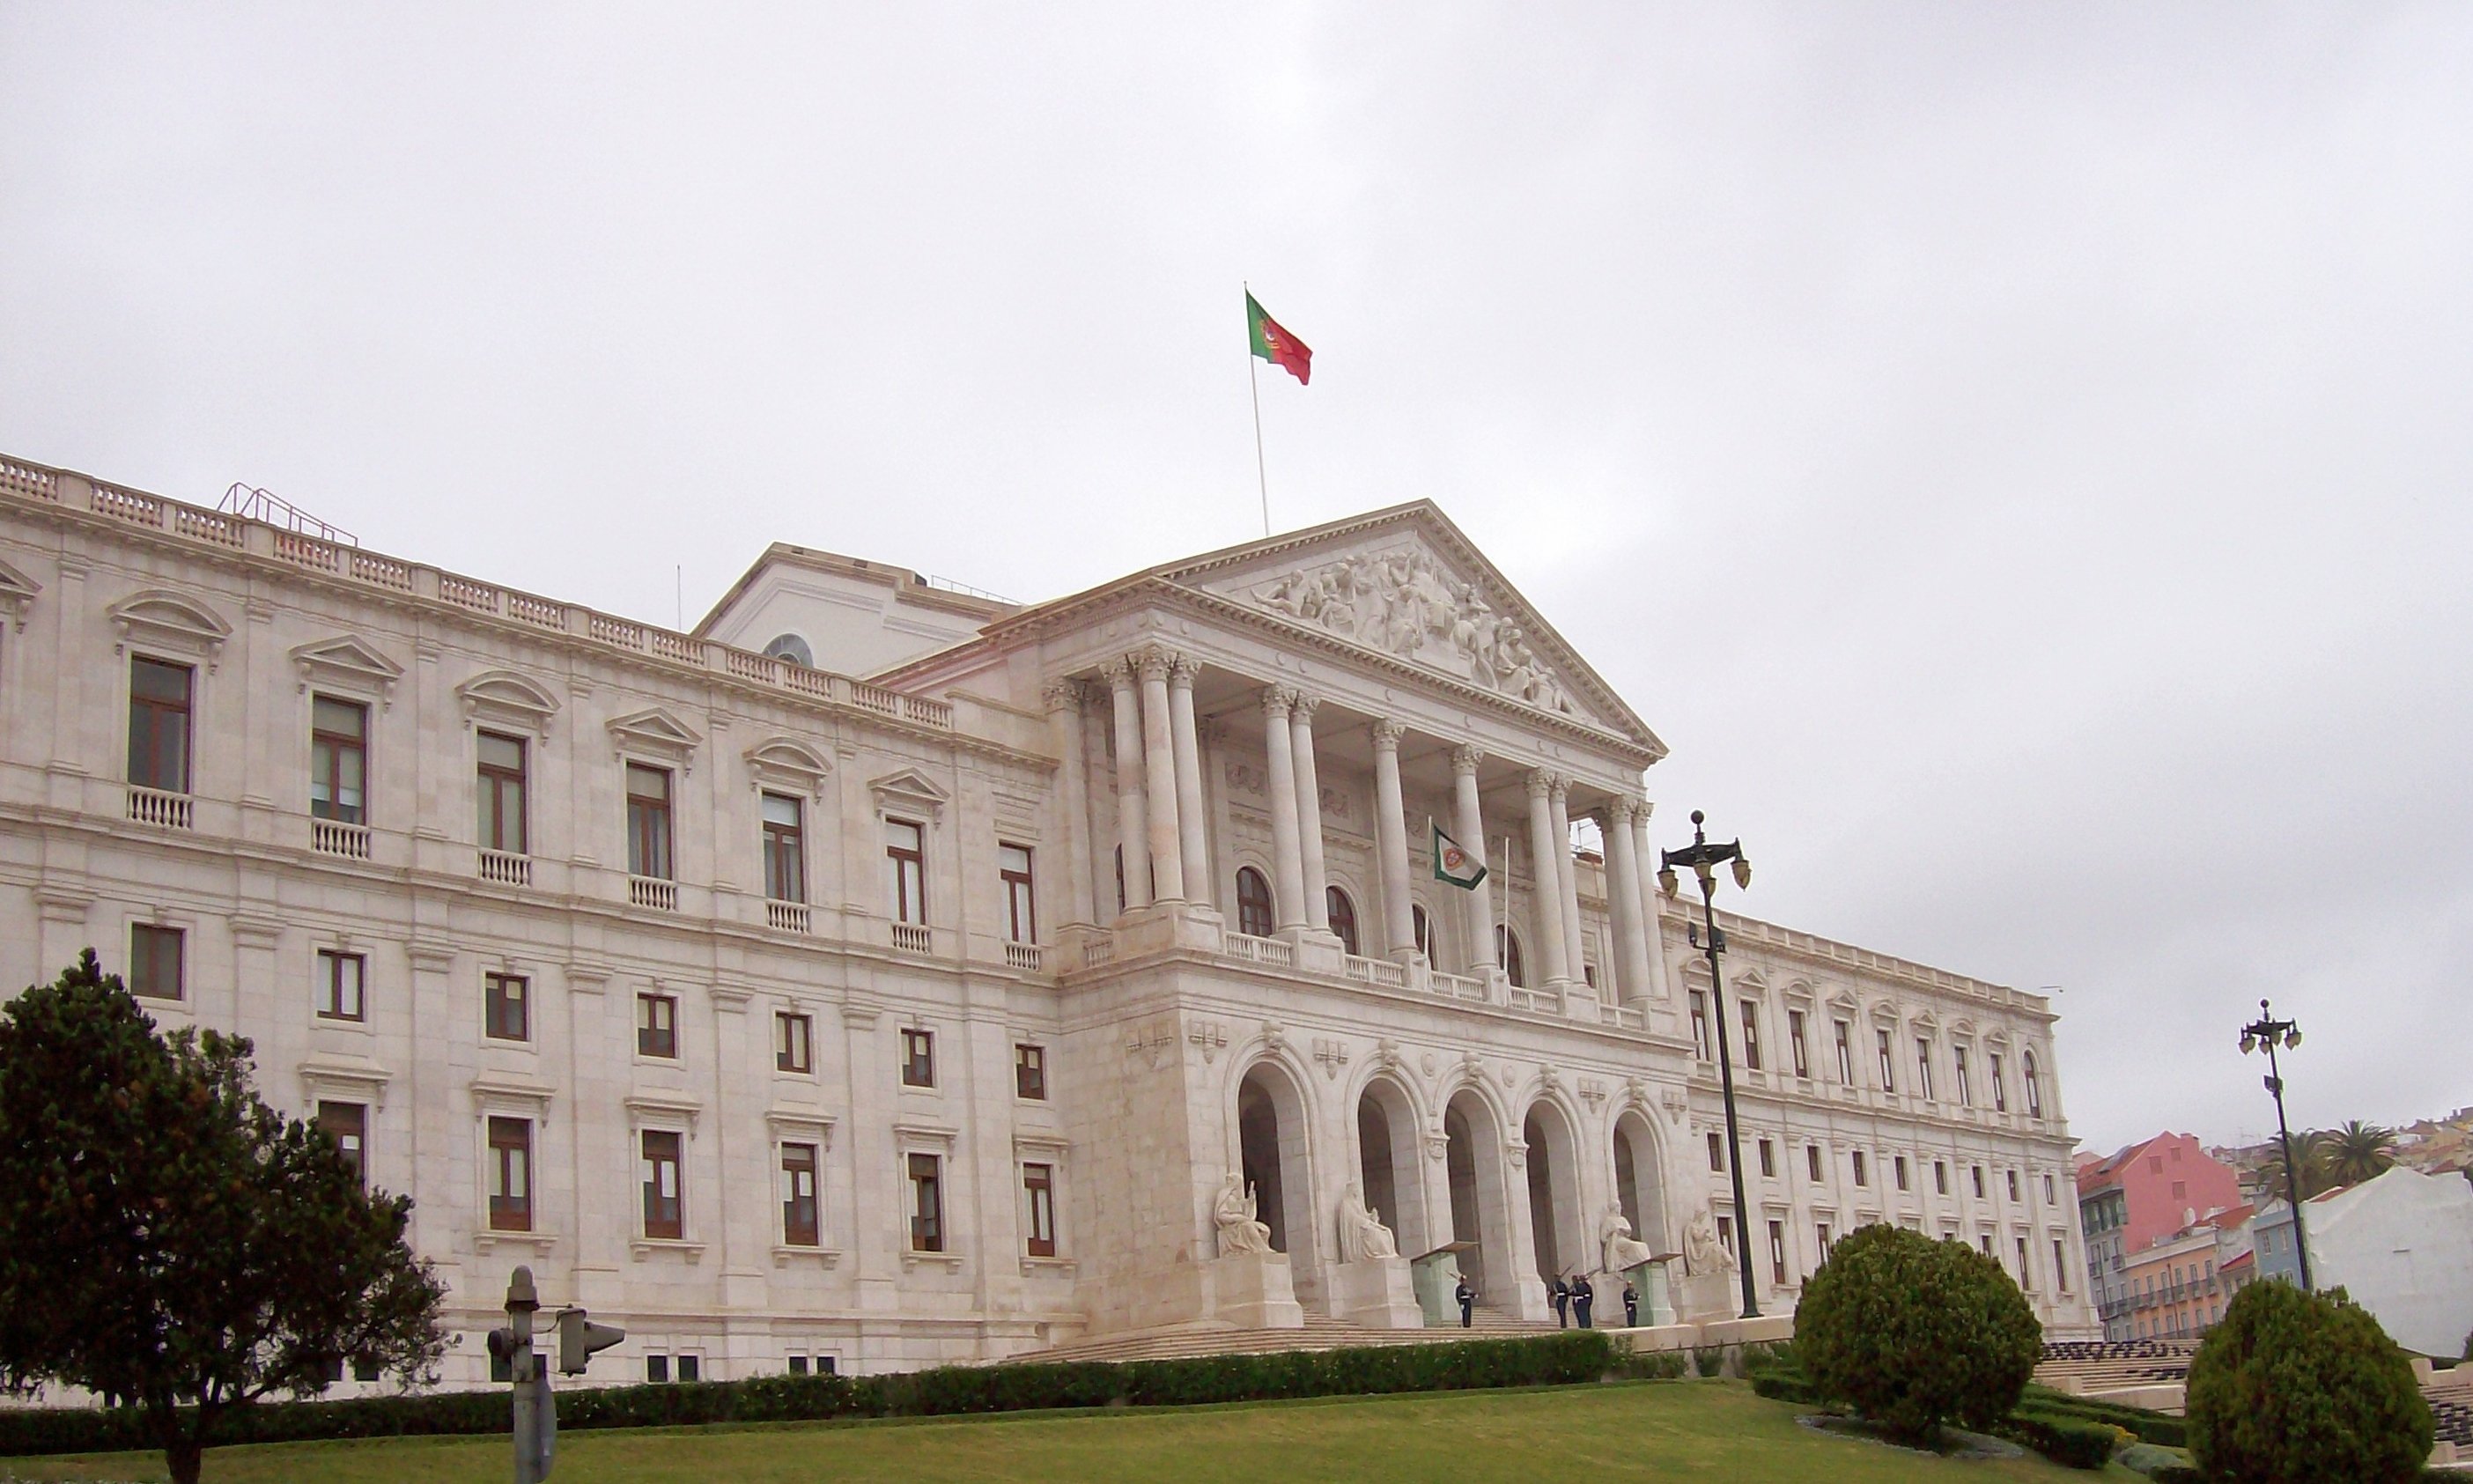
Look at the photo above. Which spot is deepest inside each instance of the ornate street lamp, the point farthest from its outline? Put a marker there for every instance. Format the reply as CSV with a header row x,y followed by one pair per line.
x,y
1704,858
2264,1033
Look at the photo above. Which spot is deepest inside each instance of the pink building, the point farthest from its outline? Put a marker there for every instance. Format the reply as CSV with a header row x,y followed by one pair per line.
x,y
2168,1182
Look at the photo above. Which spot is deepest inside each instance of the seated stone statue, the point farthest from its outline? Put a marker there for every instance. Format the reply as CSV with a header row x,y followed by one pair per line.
x,y
1238,1231
1363,1236
1624,1252
1703,1252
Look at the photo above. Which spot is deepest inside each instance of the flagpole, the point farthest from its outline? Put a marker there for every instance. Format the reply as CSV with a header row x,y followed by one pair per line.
x,y
1254,381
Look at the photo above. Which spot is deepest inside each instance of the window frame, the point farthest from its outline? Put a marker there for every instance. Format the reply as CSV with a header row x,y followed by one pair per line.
x,y
1845,1050
337,746
1038,1194
1965,1090
145,961
1923,1068
907,871
652,824
1751,1018
786,848
342,986
1030,1071
1795,1041
1257,911
1884,1040
793,1159
1341,909
510,1141
491,783
918,1057
1021,889
657,1026
165,721
351,1134
1698,1001
924,1174
501,1009
662,1214
1716,1152
794,1043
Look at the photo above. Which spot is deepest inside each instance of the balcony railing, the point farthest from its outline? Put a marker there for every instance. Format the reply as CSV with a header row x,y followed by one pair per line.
x,y
787,917
1544,1002
334,837
161,808
506,868
1028,957
1457,986
1269,952
648,892
1622,1018
914,938
1378,972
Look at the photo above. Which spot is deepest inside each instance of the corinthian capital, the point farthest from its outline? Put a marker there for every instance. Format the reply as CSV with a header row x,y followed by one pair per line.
x,y
1387,733
1465,759
1184,670
1303,708
1541,783
1152,661
1061,695
1118,671
1276,700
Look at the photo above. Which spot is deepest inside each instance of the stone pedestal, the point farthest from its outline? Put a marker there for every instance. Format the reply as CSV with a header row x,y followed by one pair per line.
x,y
1379,1293
1253,1291
1709,1296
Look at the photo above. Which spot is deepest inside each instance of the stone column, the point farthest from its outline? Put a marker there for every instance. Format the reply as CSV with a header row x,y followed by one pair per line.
x,y
1063,700
1191,837
1309,814
1391,842
1623,896
1652,941
1100,849
1133,820
1468,823
1567,871
1287,860
1158,775
1546,853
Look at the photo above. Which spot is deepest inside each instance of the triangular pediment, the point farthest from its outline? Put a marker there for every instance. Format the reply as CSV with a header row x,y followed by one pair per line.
x,y
1407,585
657,730
17,591
349,661
909,789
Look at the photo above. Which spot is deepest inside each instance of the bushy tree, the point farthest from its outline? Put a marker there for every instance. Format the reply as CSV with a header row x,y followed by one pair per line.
x,y
1912,1332
169,1240
2296,1388
2357,1152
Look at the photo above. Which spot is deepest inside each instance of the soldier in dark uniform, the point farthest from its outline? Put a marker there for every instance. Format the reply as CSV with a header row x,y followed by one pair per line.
x,y
1582,1296
1560,1293
1468,1298
1631,1307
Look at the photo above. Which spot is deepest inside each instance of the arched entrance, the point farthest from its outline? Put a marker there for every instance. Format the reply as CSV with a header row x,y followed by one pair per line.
x,y
1639,1187
1472,1159
1271,1147
1555,1228
1387,1157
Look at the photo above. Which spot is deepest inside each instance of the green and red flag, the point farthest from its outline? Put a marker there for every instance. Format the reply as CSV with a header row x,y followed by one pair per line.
x,y
1276,345
1453,864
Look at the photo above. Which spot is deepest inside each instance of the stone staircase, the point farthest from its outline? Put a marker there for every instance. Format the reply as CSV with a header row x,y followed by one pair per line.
x,y
1318,1334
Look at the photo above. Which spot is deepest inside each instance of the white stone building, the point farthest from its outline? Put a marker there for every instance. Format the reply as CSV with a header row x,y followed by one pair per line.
x,y
2401,1245
790,1018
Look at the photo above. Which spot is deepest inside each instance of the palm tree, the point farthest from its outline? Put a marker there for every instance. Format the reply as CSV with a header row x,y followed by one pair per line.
x,y
2357,1152
2311,1158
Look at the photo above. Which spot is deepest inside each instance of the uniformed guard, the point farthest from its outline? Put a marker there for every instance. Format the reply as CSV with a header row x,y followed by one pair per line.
x,y
1631,1307
1582,1296
1560,1293
1468,1299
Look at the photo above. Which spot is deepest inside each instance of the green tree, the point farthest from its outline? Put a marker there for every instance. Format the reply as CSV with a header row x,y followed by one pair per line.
x,y
2358,1152
1912,1332
2294,1388
169,1240
2310,1159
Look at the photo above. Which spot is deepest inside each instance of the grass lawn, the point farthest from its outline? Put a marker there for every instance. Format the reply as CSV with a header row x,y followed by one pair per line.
x,y
1646,1431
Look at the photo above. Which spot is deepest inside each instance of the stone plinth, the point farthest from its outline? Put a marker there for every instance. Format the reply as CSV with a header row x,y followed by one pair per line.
x,y
1379,1293
1767,1329
1252,1291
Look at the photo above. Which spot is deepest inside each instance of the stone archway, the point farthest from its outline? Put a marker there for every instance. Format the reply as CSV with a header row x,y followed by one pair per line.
x,y
1273,1144
1481,1206
1386,1160
1557,1233
1640,1180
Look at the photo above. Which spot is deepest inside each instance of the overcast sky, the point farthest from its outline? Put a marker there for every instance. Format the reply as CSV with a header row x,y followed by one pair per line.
x,y
2016,456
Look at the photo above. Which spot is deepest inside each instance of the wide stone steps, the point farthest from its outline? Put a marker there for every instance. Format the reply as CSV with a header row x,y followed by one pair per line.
x,y
1317,1335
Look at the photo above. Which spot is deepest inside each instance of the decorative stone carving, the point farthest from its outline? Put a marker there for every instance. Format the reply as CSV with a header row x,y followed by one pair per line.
x,y
1363,1236
1211,1038
1333,1054
1703,1252
1246,777
1334,801
1275,1035
1677,1102
1234,1215
1407,603
1593,1092
1623,1251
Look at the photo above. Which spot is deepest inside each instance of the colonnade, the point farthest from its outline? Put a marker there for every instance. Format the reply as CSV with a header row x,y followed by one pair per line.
x,y
1163,842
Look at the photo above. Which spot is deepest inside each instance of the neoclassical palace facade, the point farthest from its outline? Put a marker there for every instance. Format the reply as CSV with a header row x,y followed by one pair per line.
x,y
883,975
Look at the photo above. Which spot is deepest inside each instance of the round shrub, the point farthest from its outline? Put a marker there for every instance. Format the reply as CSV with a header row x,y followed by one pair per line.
x,y
2292,1388
1912,1332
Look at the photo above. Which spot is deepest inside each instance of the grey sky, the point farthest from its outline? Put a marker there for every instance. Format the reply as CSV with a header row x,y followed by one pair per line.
x,y
2017,456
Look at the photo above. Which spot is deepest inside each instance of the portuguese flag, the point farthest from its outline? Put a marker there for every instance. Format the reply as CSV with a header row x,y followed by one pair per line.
x,y
1276,345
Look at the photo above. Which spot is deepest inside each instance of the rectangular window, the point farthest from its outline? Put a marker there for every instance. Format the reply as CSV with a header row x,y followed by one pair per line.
x,y
1030,1073
800,1223
648,821
154,960
510,1174
1794,1042
1717,1151
1845,1054
1899,1164
340,979
338,759
1861,1176
690,1368
664,1208
159,725
1768,1160
794,1043
926,1204
906,859
506,1006
1777,1252
1726,1234
918,1059
2026,1269
2013,1185
2060,1267
1823,1232
347,1124
798,1365
1966,1096
1812,1162
1751,1035
657,1026
2000,1089
1923,1067
785,851
1977,1172
1983,1239
502,794
1889,1069
2035,1091
1021,915
657,1368
1940,1177
1039,1191
2048,1190
1700,1025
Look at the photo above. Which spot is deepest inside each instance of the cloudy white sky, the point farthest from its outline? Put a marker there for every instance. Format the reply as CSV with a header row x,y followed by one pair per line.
x,y
2017,456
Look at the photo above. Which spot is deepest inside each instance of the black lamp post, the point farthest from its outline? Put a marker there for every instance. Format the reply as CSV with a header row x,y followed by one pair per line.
x,y
2265,1032
1704,858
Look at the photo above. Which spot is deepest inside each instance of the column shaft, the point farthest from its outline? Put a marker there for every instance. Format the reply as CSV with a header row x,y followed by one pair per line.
x,y
1391,842
1310,816
1064,719
1622,895
1567,870
1545,853
1468,823
1133,820
1279,759
1652,941
1192,833
1158,779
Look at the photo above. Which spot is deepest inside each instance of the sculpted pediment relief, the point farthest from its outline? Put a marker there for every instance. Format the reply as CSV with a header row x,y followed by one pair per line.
x,y
350,661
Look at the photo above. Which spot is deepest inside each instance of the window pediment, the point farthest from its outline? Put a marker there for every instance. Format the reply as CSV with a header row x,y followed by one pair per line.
x,y
171,621
17,594
350,663
655,732
506,698
908,791
786,763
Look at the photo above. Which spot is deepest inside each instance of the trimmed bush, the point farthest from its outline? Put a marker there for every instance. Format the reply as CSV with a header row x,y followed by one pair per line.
x,y
2150,1426
1912,1332
2296,1387
2071,1441
1654,1364
1561,1360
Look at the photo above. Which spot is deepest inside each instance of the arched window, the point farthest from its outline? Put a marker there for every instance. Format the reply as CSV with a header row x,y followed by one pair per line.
x,y
1423,927
1253,903
1343,915
791,647
2034,1089
1506,955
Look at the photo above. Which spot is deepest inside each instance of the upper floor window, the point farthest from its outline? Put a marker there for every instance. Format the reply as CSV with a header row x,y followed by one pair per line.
x,y
2048,1190
1717,1151
1506,955
1030,1073
1923,1066
501,792
1977,1173
1254,913
1343,917
918,1058
510,1174
341,980
1888,1068
664,1200
348,1125
926,1203
648,821
159,725
785,850
1845,1053
506,1006
1861,1175
1751,1034
2000,1087
906,858
791,647
794,1043
1421,927
801,1225
1700,1025
338,759
2034,1089
1812,1162
156,964
1940,1177
1038,1218
1794,1043
657,1026
1965,1094
2013,1183
1021,907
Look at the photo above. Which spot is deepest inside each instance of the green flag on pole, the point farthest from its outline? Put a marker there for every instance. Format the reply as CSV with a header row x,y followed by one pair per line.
x,y
1455,865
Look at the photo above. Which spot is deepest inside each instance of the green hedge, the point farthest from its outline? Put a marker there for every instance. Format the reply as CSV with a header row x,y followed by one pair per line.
x,y
1547,1360
2073,1442
2150,1426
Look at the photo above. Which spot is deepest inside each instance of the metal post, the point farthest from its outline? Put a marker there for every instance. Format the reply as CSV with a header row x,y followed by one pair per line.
x,y
2292,1171
1726,1091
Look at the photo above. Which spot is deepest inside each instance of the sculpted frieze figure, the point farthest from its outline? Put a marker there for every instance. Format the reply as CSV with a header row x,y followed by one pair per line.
x,y
1703,1252
1363,1236
1623,1251
1238,1231
1407,603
